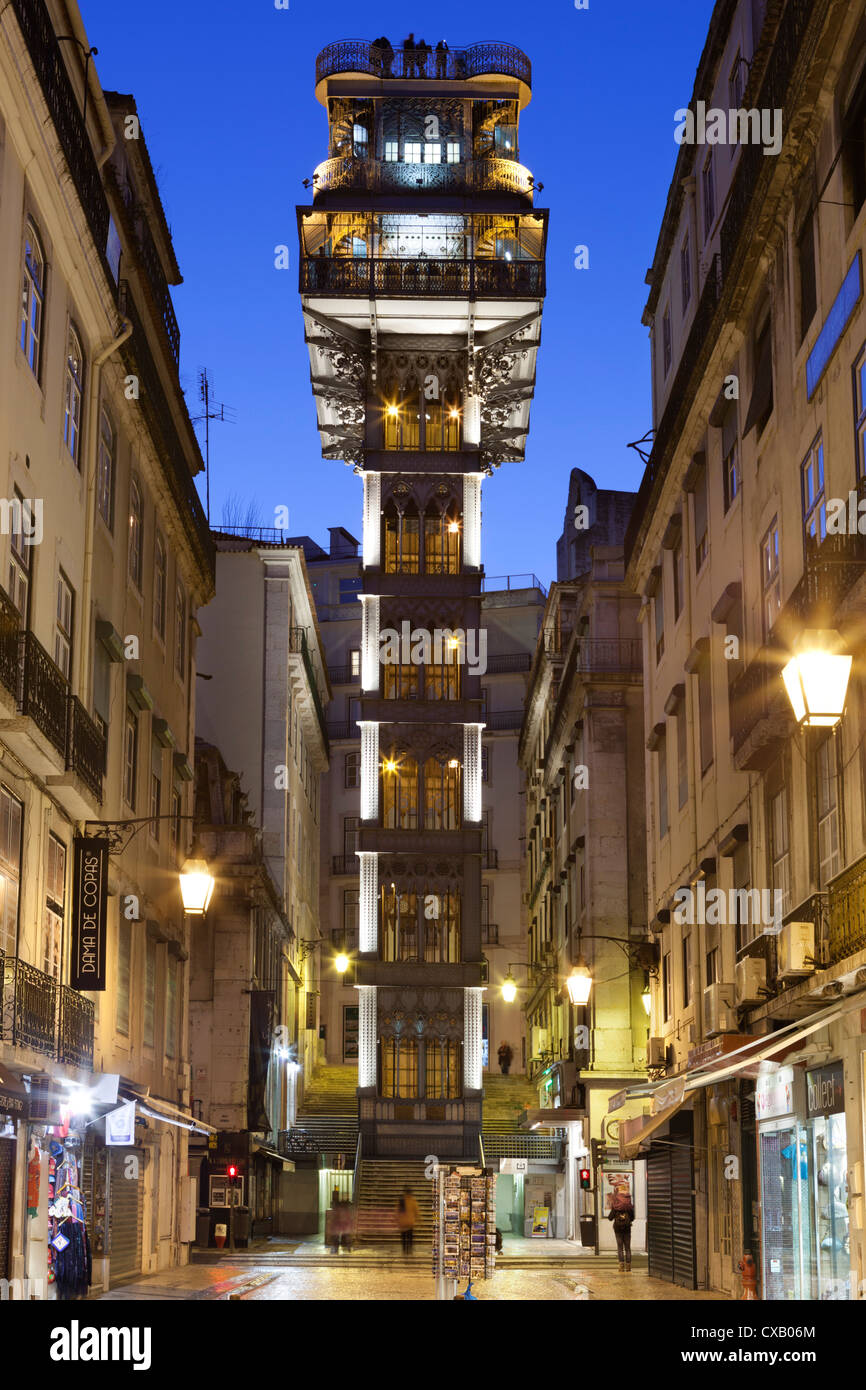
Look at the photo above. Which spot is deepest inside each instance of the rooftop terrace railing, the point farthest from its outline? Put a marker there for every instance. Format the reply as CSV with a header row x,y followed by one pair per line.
x,y
487,58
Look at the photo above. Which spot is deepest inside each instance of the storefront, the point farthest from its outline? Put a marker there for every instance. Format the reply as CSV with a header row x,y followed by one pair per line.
x,y
803,1160
14,1109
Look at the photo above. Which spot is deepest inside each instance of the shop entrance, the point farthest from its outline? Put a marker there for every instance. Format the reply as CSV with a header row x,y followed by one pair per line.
x,y
7,1168
350,1032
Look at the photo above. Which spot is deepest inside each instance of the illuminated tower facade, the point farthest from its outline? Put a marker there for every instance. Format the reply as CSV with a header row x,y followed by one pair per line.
x,y
422,285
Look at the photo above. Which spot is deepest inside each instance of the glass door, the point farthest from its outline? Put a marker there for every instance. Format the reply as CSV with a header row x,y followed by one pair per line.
x,y
788,1218
830,1174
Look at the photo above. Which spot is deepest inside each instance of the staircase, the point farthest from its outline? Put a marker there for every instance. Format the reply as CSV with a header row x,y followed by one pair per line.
x,y
331,1091
504,1099
379,1186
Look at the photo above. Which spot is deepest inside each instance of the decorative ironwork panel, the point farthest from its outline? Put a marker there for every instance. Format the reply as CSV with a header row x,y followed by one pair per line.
x,y
367,1036
848,913
75,1032
472,520
44,691
369,770
458,64
472,1070
370,641
368,920
472,772
372,532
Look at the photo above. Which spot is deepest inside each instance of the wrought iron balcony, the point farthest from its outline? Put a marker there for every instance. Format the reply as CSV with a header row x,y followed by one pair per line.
x,y
847,933
298,643
459,64
35,23
502,721
85,748
44,691
343,675
10,645
75,1028
614,656
344,864
139,236
491,175
508,663
28,1006
760,713
370,277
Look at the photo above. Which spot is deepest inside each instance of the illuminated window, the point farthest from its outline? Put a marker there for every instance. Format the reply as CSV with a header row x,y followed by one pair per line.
x,y
441,925
399,925
73,391
392,151
10,869
442,784
453,152
412,150
402,541
401,681
432,152
443,1069
400,794
400,1068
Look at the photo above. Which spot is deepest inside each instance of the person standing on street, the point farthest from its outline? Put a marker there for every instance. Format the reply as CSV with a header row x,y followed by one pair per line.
x,y
408,1215
622,1215
505,1055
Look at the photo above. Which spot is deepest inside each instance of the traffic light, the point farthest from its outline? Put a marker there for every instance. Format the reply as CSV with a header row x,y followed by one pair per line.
x,y
584,1179
232,1171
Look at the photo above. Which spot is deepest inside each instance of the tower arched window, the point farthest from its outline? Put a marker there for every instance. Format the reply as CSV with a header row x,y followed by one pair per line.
x,y
442,783
441,917
442,541
32,299
402,546
400,794
399,924
402,418
73,391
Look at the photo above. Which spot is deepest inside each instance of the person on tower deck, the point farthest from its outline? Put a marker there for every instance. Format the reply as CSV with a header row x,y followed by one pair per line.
x,y
622,1215
422,52
441,58
408,1215
409,56
376,57
387,53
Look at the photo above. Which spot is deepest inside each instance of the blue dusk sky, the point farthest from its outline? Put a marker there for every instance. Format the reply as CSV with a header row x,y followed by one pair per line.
x,y
225,94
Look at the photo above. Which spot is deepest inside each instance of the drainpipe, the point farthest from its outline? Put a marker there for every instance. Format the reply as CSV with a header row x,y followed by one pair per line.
x,y
92,443
95,87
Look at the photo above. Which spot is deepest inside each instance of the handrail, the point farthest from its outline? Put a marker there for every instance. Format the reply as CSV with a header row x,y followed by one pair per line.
x,y
481,1151
482,59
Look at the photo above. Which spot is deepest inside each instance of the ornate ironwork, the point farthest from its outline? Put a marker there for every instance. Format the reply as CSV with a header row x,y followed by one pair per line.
x,y
458,64
139,235
298,643
848,913
383,176
86,749
508,662
44,691
10,643
75,1028
502,720
29,1006
616,655
449,277
37,28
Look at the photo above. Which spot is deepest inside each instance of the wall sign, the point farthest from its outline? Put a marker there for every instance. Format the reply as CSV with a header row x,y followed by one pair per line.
x,y
825,1090
89,914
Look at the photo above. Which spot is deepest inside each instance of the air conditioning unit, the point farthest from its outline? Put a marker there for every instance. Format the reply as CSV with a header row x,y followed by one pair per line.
x,y
751,980
655,1052
719,1013
796,950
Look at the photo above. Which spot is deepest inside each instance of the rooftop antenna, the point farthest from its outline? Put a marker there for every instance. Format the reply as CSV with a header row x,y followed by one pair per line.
x,y
212,411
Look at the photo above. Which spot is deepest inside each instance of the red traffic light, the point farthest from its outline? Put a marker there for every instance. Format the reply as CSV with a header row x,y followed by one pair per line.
x,y
232,1171
584,1179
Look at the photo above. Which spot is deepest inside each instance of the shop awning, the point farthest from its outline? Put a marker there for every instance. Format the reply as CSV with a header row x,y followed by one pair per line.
x,y
666,1101
287,1164
157,1109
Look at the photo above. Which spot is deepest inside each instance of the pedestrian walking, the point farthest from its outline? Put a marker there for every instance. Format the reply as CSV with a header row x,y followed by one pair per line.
x,y
505,1054
622,1215
408,1215
441,59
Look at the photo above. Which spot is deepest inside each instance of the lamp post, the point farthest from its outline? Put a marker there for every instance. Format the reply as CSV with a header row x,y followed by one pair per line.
x,y
196,880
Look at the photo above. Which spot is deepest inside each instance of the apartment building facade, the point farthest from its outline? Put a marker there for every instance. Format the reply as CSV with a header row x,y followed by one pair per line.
x,y
106,560
755,827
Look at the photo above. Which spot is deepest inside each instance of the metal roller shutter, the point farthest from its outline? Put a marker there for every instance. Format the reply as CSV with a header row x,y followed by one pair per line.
x,y
659,1228
683,1212
7,1169
671,1208
125,1205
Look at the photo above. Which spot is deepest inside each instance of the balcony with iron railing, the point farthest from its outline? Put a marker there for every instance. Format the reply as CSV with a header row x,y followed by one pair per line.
x,y
140,238
486,175
609,656
298,644
486,59
43,1016
504,583
508,663
501,721
847,913
344,675
373,277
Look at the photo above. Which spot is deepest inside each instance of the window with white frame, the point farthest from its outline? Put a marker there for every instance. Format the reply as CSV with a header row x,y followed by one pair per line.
x,y
32,299
55,899
160,581
73,392
432,152
779,842
392,151
105,470
412,151
130,757
730,456
180,631
19,558
771,581
63,626
453,152
352,770
827,803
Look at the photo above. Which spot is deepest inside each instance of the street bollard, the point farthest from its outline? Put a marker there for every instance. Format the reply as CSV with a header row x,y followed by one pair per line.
x,y
749,1271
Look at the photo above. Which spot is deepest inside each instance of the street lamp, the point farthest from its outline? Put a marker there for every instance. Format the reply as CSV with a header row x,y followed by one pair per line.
x,y
341,964
579,984
509,988
816,679
646,996
196,886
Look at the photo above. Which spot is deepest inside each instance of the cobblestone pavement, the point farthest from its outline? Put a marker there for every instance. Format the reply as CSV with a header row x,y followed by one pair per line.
x,y
390,1284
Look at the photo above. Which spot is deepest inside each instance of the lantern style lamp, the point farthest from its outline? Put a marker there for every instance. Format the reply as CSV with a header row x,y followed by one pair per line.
x,y
646,997
341,964
196,886
579,983
509,988
816,679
